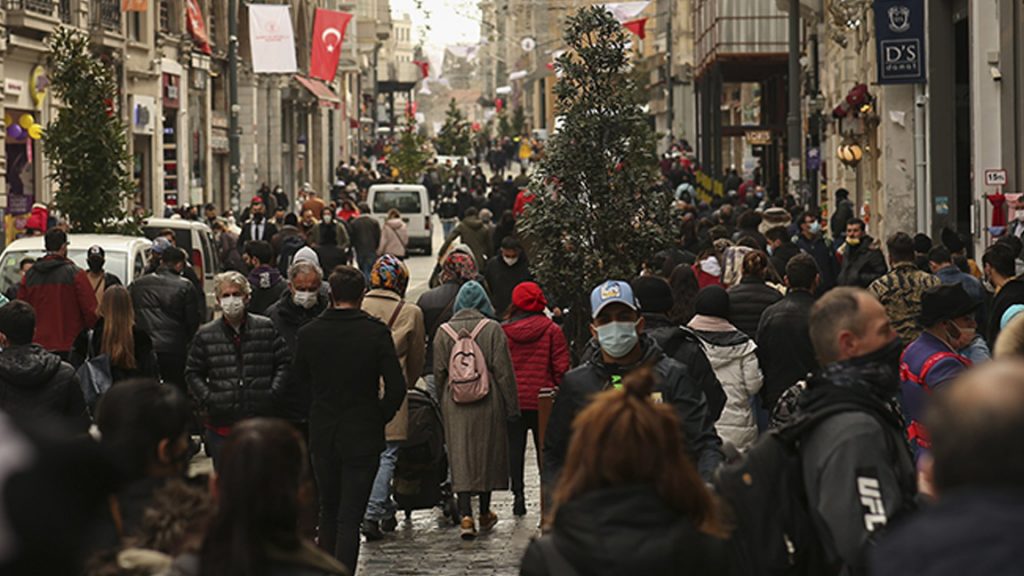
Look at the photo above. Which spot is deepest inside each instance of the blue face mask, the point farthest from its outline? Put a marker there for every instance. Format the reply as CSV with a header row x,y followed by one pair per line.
x,y
617,339
815,227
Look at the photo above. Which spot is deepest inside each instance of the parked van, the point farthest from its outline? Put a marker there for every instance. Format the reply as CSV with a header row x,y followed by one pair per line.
x,y
412,203
196,239
126,255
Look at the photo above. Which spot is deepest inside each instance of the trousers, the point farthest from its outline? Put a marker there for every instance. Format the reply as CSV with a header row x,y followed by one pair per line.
x,y
381,505
344,485
517,430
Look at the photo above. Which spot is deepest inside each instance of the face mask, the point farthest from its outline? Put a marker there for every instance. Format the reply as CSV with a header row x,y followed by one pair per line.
x,y
304,299
815,227
959,336
328,218
852,241
510,261
95,265
887,358
257,218
617,338
771,250
233,306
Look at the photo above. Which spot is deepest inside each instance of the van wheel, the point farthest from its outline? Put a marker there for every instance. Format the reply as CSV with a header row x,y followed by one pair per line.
x,y
428,250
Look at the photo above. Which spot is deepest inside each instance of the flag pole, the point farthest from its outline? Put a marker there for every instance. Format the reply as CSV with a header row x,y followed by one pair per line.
x,y
233,128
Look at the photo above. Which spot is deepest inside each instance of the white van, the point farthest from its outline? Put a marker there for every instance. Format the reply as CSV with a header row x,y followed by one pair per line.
x,y
412,202
126,255
196,239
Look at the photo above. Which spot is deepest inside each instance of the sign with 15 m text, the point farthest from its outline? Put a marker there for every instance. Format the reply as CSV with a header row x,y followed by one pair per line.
x,y
899,31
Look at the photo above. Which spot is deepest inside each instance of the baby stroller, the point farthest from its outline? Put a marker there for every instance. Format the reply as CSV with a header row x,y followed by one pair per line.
x,y
421,473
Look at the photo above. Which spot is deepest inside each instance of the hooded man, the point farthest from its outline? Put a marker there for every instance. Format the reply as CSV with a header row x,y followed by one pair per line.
x,y
473,233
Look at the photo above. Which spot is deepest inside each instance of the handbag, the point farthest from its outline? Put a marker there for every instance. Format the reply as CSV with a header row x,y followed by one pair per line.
x,y
94,376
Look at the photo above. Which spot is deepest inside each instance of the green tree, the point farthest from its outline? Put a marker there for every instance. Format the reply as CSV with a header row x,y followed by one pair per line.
x,y
504,128
87,143
519,122
410,154
598,209
455,138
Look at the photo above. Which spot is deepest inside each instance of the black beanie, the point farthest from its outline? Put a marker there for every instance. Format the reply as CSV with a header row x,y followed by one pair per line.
x,y
653,294
713,301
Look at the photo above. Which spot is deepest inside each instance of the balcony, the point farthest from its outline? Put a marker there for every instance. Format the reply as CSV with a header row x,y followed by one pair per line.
x,y
36,15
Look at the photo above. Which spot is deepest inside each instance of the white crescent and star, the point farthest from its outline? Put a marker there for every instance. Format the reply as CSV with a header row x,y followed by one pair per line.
x,y
331,32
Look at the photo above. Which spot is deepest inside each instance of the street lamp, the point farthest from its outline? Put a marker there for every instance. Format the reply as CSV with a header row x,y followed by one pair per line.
x,y
382,36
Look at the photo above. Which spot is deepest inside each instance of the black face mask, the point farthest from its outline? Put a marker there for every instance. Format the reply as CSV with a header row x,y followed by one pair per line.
x,y
95,265
257,218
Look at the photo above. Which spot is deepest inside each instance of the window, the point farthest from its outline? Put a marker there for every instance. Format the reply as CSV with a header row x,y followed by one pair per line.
x,y
741,104
168,23
137,26
406,201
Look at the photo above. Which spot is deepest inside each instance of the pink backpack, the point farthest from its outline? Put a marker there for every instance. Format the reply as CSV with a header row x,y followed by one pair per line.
x,y
468,376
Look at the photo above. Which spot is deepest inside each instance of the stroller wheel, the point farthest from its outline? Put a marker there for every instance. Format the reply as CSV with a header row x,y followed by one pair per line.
x,y
451,510
408,515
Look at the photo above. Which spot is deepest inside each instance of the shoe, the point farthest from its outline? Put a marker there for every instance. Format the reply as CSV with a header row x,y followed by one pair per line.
x,y
371,529
487,521
389,524
519,506
467,531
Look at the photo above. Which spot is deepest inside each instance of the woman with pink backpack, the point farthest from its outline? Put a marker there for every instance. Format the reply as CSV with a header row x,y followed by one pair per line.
x,y
477,391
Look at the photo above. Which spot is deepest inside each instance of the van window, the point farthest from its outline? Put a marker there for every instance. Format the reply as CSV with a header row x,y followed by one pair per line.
x,y
139,266
182,236
406,201
209,266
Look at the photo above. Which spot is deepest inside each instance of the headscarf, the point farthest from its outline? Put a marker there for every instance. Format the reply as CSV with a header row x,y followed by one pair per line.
x,y
472,295
460,266
389,273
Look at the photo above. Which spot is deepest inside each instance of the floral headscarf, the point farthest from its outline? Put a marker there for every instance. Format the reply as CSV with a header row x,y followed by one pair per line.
x,y
389,273
472,295
460,266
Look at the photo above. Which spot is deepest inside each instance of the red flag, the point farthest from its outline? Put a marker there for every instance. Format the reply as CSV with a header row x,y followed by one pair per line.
x,y
196,27
328,33
424,67
498,104
638,27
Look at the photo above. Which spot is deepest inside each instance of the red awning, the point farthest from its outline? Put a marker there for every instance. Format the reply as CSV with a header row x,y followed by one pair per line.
x,y
326,96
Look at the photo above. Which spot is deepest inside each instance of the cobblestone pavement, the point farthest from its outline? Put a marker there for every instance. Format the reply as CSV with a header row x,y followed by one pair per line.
x,y
428,544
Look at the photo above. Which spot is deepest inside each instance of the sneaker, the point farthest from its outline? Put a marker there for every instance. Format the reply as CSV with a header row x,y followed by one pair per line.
x,y
468,529
487,521
371,529
389,524
519,506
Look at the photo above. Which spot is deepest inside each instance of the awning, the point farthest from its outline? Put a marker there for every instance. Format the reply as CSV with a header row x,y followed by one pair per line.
x,y
323,94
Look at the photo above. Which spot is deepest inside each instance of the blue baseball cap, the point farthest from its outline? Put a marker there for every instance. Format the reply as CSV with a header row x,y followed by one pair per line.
x,y
611,292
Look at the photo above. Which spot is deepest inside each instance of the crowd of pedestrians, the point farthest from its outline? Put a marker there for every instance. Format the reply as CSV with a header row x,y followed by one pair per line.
x,y
774,392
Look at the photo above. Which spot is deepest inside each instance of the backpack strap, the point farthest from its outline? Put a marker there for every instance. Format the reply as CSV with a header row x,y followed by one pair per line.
x,y
920,379
479,328
450,331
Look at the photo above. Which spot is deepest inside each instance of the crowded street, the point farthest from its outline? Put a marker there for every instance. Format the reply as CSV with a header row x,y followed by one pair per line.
x,y
499,287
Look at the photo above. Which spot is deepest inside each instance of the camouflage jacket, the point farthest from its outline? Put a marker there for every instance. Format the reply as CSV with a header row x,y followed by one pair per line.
x,y
900,292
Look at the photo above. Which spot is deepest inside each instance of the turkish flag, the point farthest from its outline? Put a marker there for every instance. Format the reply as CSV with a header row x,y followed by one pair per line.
x,y
424,66
638,27
134,5
196,26
328,32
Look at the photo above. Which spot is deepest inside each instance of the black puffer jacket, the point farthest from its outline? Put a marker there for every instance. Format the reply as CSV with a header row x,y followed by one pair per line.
x,y
626,530
235,381
683,346
747,301
35,383
784,351
166,308
437,305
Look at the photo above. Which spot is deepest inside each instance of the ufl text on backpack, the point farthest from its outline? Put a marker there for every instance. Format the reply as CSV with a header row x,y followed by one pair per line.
x,y
468,376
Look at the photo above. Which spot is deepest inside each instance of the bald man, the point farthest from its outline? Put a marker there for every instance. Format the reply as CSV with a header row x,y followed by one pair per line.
x,y
977,474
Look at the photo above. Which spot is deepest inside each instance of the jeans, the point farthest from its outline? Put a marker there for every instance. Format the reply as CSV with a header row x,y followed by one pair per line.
x,y
345,485
214,443
517,430
381,505
466,503
365,262
447,225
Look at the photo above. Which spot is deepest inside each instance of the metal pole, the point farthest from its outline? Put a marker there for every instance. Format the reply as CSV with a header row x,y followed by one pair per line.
x,y
668,73
233,128
793,116
814,122
376,90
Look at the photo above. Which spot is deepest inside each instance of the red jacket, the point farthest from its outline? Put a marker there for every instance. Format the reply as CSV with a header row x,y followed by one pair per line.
x,y
63,299
540,356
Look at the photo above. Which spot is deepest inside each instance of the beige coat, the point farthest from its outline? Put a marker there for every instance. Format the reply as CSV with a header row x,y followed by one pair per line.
x,y
394,237
409,336
477,434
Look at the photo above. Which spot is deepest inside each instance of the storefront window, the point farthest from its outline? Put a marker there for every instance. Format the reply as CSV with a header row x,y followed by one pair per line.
x,y
741,104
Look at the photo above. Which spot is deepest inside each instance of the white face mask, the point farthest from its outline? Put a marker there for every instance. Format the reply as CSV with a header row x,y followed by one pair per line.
x,y
233,306
510,261
304,299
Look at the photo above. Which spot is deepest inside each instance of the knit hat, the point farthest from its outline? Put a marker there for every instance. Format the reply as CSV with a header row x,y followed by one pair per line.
x,y
389,273
922,243
1010,314
527,296
774,217
653,294
951,240
472,295
309,255
713,301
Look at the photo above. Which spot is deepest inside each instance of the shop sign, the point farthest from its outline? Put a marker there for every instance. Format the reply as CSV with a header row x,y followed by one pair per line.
x,y
171,90
759,137
13,87
899,32
219,140
143,114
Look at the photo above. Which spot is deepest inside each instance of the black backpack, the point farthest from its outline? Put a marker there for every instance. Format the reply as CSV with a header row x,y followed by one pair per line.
x,y
289,246
766,504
